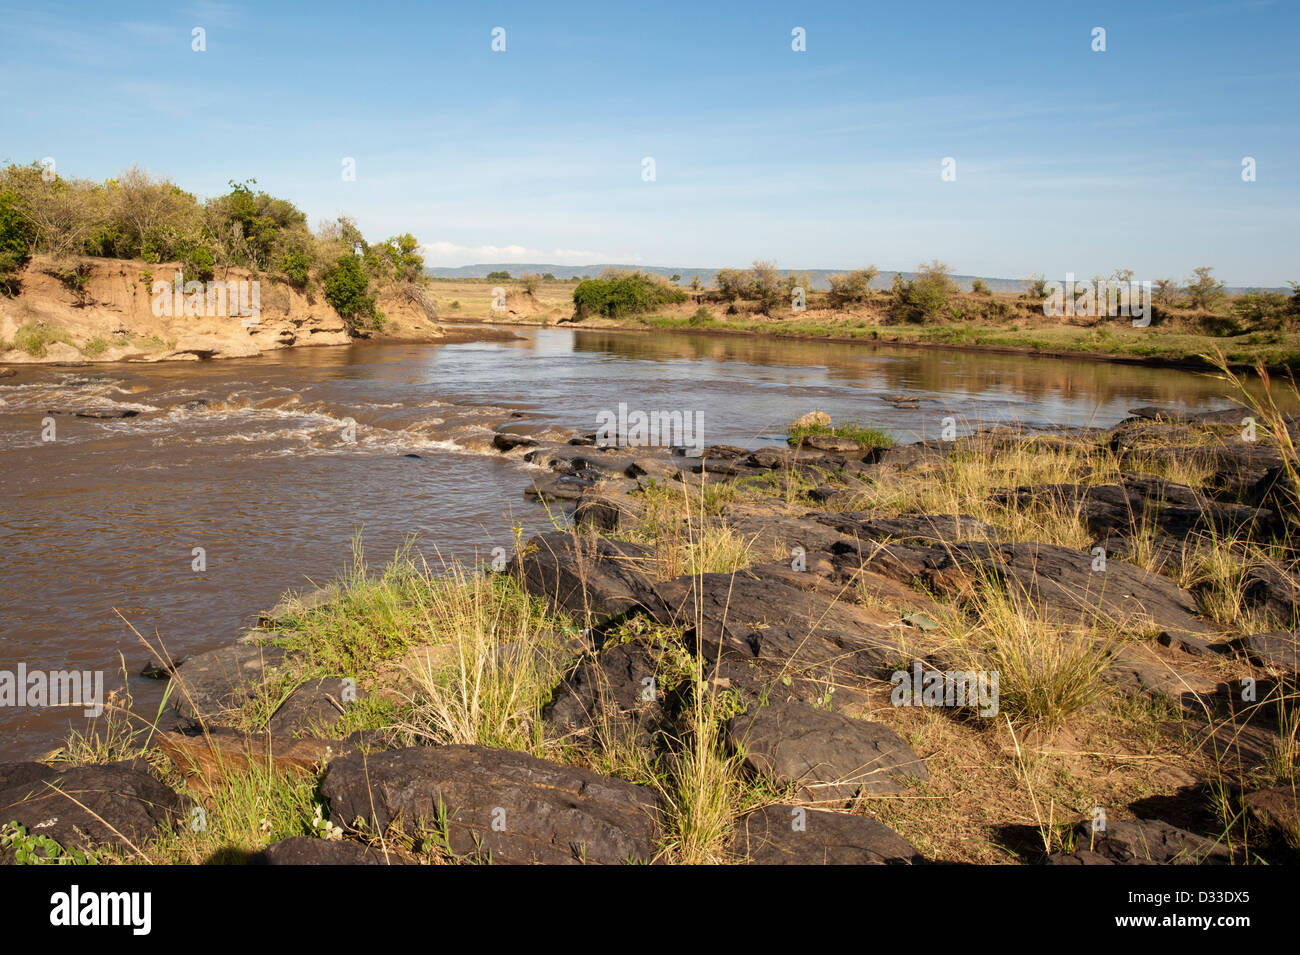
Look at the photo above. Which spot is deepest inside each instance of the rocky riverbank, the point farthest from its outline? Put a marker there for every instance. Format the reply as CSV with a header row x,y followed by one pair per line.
x,y
731,658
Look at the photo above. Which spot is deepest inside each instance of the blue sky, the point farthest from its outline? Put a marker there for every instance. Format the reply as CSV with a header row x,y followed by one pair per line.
x,y
1066,159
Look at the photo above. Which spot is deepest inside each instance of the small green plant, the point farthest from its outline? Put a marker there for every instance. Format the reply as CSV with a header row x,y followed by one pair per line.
x,y
35,337
95,347
865,436
30,849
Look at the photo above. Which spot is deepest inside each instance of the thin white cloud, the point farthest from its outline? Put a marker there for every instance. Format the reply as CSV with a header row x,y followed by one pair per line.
x,y
450,255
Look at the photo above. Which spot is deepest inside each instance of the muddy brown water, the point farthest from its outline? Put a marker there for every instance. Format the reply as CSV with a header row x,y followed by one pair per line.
x,y
98,527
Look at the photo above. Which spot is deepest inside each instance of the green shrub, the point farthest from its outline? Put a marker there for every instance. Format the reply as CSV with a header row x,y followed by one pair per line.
x,y
501,276
34,337
346,287
925,296
296,267
17,236
1263,311
852,288
622,294
866,437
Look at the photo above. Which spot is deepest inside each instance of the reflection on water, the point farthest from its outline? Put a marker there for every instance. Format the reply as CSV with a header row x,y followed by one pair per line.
x,y
272,465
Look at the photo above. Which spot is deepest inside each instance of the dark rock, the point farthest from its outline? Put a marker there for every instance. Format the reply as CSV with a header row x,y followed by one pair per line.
x,y
197,404
1192,646
160,670
16,774
566,487
508,441
1277,812
1276,651
313,708
117,804
1226,416
310,850
1082,857
1124,509
498,804
1275,594
910,455
208,685
929,528
596,580
830,443
607,696
100,413
1059,582
772,629
416,457
1149,842
790,835
608,509
829,756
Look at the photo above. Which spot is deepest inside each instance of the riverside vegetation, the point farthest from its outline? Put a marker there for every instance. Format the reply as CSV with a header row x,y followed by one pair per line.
x,y
79,259
927,308
701,663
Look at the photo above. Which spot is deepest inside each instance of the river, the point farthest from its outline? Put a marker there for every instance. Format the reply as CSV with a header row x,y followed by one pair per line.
x,y
258,463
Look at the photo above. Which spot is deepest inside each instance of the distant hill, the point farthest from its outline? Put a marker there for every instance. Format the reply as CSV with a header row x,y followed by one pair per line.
x,y
819,276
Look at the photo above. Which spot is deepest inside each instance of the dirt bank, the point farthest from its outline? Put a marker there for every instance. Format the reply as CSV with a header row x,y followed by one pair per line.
x,y
111,314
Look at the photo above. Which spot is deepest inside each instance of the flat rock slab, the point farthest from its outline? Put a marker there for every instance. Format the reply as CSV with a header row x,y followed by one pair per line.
x,y
780,628
1061,585
209,685
793,835
498,804
1174,509
311,850
595,581
1144,842
930,528
1276,651
116,804
829,756
205,758
294,605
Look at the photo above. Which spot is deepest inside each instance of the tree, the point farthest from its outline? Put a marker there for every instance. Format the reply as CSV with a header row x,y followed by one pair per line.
x,y
1204,291
500,276
980,287
1166,292
766,287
